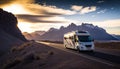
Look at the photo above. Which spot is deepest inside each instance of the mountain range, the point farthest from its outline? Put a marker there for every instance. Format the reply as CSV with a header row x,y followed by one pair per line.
x,y
116,36
96,32
33,35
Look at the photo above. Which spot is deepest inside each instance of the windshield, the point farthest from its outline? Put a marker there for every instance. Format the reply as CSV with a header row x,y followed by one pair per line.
x,y
84,38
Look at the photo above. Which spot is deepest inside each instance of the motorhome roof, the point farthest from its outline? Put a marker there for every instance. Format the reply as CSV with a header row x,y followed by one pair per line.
x,y
77,33
82,31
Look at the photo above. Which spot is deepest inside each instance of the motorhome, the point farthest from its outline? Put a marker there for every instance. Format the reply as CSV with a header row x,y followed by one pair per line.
x,y
79,40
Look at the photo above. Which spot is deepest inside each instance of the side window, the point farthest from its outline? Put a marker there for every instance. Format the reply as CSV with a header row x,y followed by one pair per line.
x,y
65,38
75,38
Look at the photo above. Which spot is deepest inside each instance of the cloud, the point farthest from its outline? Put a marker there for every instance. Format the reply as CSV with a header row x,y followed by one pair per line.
x,y
88,9
8,2
4,2
47,14
76,8
102,11
29,11
83,10
100,1
41,19
31,6
50,10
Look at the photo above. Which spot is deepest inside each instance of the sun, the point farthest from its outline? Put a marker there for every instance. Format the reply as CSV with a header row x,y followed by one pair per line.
x,y
16,9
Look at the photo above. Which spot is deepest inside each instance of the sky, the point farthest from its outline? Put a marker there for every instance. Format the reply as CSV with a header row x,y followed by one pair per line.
x,y
35,15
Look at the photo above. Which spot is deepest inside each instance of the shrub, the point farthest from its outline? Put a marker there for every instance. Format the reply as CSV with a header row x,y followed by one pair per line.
x,y
50,52
37,57
29,58
13,63
13,49
21,47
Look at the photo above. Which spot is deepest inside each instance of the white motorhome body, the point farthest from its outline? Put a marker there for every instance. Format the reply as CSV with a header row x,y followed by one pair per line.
x,y
80,40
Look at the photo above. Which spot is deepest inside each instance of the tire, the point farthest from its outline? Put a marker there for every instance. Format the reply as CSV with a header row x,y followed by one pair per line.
x,y
78,49
66,47
92,51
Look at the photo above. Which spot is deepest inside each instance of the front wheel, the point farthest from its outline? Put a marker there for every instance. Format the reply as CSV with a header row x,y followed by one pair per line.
x,y
66,47
91,50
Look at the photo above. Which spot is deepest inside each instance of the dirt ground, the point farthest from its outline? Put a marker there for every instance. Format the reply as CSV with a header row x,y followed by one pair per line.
x,y
108,45
33,55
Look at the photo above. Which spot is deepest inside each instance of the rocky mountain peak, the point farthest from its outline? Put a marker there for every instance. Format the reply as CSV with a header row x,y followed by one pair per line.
x,y
72,25
96,32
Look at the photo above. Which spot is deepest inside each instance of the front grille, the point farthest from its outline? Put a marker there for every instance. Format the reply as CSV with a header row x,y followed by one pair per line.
x,y
88,45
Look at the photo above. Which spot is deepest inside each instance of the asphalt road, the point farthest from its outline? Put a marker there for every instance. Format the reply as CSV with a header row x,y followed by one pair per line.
x,y
99,56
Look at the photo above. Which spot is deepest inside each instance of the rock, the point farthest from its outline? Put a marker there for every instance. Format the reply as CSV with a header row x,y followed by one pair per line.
x,y
8,23
10,35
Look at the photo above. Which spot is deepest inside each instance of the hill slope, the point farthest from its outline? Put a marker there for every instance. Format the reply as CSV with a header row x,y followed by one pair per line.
x,y
9,32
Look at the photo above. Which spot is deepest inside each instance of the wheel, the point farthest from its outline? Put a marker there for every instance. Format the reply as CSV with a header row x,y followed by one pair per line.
x,y
66,47
78,49
91,51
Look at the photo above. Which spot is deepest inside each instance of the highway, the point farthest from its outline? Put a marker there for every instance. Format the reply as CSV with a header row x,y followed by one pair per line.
x,y
97,55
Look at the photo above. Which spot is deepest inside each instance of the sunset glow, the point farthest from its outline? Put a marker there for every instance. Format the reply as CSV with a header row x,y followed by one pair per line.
x,y
38,15
25,27
16,9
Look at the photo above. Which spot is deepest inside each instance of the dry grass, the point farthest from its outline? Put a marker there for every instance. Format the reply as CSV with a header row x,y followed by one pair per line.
x,y
13,63
29,58
21,47
108,45
50,52
38,56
